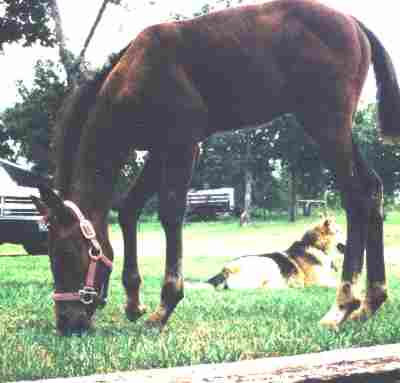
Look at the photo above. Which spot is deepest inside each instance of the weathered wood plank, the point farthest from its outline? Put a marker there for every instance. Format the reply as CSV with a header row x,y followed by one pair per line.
x,y
358,365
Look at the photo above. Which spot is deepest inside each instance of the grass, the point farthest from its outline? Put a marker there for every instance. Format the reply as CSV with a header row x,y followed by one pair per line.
x,y
207,327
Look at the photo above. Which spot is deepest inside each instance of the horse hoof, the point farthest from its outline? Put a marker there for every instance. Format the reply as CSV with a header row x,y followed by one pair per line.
x,y
375,297
368,309
133,314
362,314
155,322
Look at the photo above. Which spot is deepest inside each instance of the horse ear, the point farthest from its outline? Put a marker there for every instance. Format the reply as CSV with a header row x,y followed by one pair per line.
x,y
41,206
53,205
50,198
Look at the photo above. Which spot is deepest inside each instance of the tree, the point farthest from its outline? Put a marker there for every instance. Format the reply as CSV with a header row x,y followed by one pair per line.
x,y
301,160
30,121
239,159
5,145
74,64
384,159
25,21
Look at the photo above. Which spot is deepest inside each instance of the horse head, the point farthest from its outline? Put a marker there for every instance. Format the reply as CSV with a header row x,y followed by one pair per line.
x,y
79,267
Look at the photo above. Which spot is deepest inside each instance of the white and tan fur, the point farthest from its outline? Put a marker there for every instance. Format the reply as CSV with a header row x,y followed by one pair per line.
x,y
305,263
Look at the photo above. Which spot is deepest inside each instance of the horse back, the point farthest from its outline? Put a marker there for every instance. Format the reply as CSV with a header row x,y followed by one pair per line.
x,y
238,67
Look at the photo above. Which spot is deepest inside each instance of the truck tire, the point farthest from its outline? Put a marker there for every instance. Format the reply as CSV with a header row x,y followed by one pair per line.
x,y
36,248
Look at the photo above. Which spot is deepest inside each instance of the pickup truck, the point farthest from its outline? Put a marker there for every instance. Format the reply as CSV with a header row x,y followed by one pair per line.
x,y
20,222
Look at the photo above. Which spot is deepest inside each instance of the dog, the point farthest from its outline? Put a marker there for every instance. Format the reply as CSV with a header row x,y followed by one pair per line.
x,y
307,262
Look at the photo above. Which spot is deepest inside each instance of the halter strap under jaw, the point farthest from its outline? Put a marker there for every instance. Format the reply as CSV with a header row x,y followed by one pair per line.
x,y
88,293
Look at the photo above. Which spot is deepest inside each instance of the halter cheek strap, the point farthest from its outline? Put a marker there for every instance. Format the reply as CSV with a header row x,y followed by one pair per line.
x,y
88,293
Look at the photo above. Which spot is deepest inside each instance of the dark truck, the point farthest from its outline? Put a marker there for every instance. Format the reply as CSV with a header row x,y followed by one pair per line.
x,y
20,221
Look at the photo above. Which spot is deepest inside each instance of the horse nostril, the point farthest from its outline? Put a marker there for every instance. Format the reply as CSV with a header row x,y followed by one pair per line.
x,y
62,319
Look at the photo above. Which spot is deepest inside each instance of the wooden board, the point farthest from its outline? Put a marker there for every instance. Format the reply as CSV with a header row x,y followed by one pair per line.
x,y
380,364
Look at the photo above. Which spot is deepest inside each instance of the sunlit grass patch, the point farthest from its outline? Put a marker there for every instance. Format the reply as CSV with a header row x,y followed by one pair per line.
x,y
207,327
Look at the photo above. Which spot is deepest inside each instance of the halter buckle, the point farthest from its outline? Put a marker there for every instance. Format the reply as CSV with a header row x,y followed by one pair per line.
x,y
87,229
87,295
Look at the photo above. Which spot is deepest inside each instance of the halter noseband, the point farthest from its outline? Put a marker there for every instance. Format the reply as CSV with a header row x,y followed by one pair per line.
x,y
88,293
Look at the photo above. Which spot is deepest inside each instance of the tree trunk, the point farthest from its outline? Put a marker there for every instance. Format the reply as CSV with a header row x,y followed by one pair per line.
x,y
66,57
81,56
73,67
292,195
248,181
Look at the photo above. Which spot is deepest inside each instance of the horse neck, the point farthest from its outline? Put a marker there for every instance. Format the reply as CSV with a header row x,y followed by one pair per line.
x,y
92,186
92,190
102,150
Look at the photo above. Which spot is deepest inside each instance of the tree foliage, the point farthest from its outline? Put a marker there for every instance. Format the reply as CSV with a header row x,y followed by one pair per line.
x,y
299,154
29,122
5,144
25,21
226,158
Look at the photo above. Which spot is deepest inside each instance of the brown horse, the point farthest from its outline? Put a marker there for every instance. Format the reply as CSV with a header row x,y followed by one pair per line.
x,y
176,84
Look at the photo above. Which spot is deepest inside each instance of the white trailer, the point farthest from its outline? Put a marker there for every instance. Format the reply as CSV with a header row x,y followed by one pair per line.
x,y
210,202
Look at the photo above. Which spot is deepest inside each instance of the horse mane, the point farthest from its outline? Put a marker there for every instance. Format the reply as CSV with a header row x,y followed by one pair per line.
x,y
71,120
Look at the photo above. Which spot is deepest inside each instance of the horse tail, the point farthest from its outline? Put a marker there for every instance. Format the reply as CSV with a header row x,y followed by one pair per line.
x,y
388,95
217,280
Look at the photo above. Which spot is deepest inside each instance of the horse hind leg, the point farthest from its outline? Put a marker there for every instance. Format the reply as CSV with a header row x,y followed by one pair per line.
x,y
376,290
336,148
363,199
129,210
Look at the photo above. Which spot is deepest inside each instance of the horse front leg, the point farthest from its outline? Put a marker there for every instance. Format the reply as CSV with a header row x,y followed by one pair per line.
x,y
129,212
177,169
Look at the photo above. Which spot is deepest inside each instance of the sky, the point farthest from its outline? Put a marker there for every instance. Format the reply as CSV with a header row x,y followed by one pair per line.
x,y
120,25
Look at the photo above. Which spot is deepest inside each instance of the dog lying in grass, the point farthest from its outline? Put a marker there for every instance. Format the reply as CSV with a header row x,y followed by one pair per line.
x,y
306,262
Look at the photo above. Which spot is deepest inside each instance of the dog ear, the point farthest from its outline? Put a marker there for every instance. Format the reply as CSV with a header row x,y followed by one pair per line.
x,y
329,223
326,225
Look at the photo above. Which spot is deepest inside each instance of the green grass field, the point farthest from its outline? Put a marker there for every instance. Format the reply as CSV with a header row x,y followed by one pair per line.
x,y
207,327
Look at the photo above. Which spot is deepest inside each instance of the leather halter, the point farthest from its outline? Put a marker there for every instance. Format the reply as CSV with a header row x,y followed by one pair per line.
x,y
88,293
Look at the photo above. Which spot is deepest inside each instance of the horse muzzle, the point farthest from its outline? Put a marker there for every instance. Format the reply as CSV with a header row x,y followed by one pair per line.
x,y
74,320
